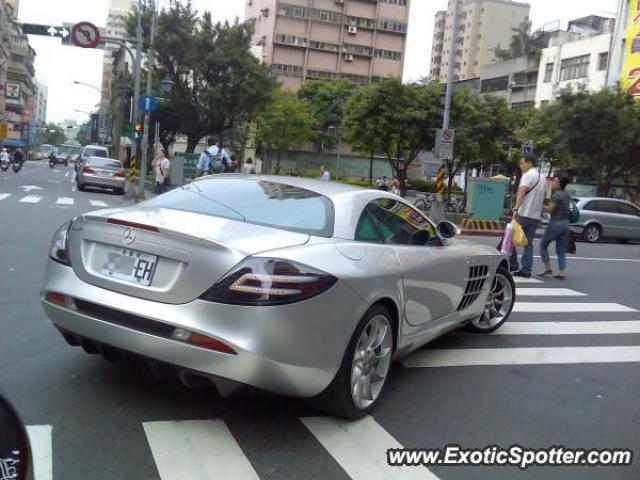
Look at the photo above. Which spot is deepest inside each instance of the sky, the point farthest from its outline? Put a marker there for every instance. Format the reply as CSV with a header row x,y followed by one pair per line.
x,y
58,66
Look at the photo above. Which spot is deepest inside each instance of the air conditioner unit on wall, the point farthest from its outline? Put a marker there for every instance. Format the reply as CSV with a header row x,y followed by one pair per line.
x,y
352,30
348,57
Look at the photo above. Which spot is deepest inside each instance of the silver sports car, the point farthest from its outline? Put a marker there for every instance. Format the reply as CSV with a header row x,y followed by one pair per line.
x,y
294,286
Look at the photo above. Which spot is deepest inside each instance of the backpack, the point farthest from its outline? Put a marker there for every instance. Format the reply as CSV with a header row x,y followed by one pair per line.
x,y
574,213
216,163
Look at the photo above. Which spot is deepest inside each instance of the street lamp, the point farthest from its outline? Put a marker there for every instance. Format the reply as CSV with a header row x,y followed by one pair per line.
x,y
166,85
101,118
76,82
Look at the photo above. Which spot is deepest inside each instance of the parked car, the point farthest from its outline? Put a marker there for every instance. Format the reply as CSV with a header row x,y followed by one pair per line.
x,y
103,173
294,286
607,218
91,151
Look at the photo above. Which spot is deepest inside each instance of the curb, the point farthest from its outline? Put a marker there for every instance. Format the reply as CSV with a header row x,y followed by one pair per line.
x,y
470,232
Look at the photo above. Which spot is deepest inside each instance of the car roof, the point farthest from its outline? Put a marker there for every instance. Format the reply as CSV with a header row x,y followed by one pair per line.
x,y
588,199
96,147
103,159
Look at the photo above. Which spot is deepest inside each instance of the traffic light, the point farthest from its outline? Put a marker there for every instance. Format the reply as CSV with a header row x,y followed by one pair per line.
x,y
138,129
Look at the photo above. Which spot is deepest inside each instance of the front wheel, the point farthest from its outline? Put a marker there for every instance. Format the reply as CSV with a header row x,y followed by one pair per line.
x,y
592,233
498,305
4,166
358,385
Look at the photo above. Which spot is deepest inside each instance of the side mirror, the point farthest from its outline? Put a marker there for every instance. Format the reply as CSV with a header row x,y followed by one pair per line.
x,y
14,444
447,230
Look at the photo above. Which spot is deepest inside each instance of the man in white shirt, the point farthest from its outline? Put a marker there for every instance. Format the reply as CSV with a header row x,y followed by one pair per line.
x,y
214,149
325,176
528,212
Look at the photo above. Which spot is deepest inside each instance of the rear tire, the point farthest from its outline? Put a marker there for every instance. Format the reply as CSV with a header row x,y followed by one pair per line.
x,y
592,233
80,187
119,191
357,387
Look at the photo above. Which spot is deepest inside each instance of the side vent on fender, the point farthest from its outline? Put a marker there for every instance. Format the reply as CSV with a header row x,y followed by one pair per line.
x,y
475,282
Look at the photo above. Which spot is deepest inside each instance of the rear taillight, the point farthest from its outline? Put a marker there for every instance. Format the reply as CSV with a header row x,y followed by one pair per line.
x,y
88,170
120,174
269,281
126,223
201,340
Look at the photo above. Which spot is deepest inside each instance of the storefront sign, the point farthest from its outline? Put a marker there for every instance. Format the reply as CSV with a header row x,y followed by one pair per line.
x,y
630,81
12,90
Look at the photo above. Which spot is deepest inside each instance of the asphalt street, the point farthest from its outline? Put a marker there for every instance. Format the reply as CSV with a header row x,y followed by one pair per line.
x,y
563,371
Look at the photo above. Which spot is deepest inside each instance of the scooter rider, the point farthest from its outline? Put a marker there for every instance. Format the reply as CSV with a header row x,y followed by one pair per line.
x,y
18,157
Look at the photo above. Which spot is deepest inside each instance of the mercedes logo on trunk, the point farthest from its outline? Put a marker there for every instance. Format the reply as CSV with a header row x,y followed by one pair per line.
x,y
128,236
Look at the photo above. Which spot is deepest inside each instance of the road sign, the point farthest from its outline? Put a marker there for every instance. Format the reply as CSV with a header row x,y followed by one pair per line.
x,y
527,148
3,131
85,35
444,143
446,151
448,135
148,103
46,30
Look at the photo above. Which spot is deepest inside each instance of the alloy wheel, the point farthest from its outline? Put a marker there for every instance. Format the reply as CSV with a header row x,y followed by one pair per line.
x,y
371,361
592,233
498,304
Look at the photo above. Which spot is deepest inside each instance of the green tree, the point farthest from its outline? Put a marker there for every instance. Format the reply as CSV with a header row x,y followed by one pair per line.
x,y
52,135
328,100
523,43
284,124
396,120
84,133
217,82
602,132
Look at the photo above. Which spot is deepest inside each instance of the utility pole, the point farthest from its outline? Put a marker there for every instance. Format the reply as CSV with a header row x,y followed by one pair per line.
x,y
145,142
136,98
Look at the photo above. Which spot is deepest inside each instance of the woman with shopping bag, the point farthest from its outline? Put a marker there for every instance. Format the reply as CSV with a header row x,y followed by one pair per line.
x,y
558,228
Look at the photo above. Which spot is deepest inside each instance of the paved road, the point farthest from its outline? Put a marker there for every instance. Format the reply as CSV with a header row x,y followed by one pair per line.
x,y
88,419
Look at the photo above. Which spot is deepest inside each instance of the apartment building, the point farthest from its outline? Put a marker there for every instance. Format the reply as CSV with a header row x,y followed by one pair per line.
x,y
482,26
355,39
40,104
578,61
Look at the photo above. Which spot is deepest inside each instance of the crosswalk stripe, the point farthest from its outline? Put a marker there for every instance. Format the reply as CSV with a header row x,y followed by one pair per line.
x,y
197,449
526,280
41,453
569,328
546,307
98,203
4,195
360,448
64,201
521,356
549,292
31,199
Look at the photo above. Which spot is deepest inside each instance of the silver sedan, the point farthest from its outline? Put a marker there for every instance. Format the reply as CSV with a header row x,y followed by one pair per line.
x,y
294,286
103,173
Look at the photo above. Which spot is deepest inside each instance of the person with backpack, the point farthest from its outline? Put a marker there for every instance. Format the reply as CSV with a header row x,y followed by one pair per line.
x,y
561,211
213,160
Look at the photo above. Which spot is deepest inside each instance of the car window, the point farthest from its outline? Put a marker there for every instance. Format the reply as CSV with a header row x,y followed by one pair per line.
x,y
367,229
95,152
400,224
104,162
626,209
591,206
607,206
260,202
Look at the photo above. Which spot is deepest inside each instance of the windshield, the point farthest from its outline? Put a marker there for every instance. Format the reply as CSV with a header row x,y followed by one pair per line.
x,y
259,202
104,162
96,152
69,150
46,148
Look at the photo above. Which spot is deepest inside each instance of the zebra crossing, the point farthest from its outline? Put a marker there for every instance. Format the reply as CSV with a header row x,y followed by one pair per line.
x,y
53,201
209,449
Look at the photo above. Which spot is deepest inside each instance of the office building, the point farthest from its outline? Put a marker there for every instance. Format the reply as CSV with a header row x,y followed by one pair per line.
x,y
40,104
482,26
624,63
355,39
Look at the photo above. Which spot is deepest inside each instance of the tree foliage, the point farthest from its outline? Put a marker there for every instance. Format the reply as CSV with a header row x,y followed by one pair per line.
x,y
396,120
217,82
328,100
523,44
285,123
52,135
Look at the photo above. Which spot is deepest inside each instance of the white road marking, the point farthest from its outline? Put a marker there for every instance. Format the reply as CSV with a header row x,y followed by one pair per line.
x,y
546,307
66,174
360,448
608,327
549,292
4,195
30,199
54,181
98,203
28,188
64,201
526,280
197,449
521,356
40,441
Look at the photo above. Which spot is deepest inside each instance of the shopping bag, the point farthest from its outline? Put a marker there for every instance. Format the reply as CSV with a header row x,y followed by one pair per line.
x,y
519,238
507,240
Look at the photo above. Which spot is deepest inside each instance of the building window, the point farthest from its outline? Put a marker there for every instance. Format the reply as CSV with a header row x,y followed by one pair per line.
x,y
576,67
548,72
603,59
500,84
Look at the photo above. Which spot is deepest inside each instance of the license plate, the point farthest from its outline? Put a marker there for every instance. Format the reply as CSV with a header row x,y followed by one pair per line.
x,y
130,266
103,173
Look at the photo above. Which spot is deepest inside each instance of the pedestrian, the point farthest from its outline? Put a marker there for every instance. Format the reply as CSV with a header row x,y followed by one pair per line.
x,y
325,175
162,167
384,184
249,168
233,164
395,186
528,212
212,160
557,230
